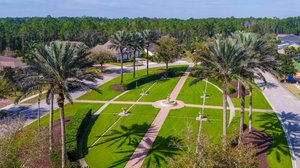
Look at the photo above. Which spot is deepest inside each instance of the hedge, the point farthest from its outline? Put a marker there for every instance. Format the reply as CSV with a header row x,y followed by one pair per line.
x,y
74,132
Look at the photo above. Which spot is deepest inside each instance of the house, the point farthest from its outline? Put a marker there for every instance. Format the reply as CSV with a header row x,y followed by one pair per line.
x,y
287,40
116,53
6,61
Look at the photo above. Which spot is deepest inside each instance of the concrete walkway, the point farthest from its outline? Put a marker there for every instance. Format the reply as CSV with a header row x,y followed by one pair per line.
x,y
287,108
140,153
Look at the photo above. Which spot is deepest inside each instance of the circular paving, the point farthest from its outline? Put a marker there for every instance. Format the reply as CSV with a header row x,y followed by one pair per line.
x,y
179,104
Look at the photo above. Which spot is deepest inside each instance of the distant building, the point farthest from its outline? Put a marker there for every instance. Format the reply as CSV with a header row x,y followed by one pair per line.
x,y
287,40
127,53
12,62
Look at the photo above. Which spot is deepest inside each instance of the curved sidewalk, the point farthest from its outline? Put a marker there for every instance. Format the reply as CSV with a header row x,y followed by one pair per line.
x,y
287,108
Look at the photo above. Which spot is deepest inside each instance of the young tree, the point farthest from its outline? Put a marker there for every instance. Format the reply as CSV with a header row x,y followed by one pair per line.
x,y
119,42
167,49
62,65
223,63
101,56
5,89
150,37
286,66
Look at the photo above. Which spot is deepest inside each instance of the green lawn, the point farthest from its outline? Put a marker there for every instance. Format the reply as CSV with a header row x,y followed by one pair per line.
x,y
175,129
278,153
70,110
178,121
109,94
159,91
192,94
114,149
259,100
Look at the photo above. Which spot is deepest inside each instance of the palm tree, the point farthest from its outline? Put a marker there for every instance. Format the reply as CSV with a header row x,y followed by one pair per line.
x,y
260,56
223,63
62,65
150,37
136,43
119,42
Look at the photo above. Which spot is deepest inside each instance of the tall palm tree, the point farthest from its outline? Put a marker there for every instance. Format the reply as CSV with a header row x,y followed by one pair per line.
x,y
150,37
136,42
223,63
62,65
119,41
260,57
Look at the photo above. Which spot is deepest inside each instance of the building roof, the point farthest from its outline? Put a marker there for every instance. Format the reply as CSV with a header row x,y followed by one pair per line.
x,y
12,62
104,47
287,38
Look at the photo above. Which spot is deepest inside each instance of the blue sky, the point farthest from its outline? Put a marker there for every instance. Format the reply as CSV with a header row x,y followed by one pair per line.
x,y
151,8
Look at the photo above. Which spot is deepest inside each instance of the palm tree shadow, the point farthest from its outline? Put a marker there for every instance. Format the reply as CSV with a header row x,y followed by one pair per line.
x,y
124,135
162,148
272,126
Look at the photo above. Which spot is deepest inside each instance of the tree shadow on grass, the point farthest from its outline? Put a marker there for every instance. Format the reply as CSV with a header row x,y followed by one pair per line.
x,y
125,135
156,157
272,126
85,145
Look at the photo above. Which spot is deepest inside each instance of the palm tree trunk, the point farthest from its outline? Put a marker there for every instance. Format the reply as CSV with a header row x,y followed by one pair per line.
x,y
51,123
60,102
243,90
224,89
167,65
121,51
147,59
39,114
250,108
134,63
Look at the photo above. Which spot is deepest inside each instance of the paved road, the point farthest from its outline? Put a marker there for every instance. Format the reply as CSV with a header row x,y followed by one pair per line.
x,y
287,108
29,112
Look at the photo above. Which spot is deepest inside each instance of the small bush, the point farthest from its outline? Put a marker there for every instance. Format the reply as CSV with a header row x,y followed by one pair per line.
x,y
74,132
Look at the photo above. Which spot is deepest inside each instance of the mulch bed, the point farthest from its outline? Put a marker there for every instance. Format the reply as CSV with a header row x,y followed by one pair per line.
x,y
57,142
235,94
5,102
262,142
117,87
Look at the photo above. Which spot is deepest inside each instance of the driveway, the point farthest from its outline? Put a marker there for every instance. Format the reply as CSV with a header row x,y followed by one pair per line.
x,y
287,108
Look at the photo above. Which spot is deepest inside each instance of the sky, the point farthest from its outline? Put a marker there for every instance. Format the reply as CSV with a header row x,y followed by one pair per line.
x,y
182,9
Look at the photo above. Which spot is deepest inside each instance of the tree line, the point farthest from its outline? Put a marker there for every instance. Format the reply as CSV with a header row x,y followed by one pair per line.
x,y
18,34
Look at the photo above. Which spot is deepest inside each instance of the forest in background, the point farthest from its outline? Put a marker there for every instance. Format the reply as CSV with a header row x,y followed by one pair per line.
x,y
20,34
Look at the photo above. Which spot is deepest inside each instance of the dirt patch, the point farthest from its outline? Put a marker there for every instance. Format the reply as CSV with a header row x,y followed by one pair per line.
x,y
56,143
117,87
262,142
237,90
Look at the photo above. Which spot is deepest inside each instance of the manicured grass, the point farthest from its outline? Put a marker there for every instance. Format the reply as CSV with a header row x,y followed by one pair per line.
x,y
159,91
70,110
192,94
259,100
278,153
109,94
117,146
126,64
175,128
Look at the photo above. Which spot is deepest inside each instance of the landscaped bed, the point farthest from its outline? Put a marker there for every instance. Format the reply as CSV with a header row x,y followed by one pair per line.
x,y
117,146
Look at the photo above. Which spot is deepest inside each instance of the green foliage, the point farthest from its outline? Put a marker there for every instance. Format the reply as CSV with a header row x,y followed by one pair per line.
x,y
167,49
74,132
286,65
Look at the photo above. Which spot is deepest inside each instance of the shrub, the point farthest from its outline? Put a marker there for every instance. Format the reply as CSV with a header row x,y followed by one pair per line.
x,y
74,132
